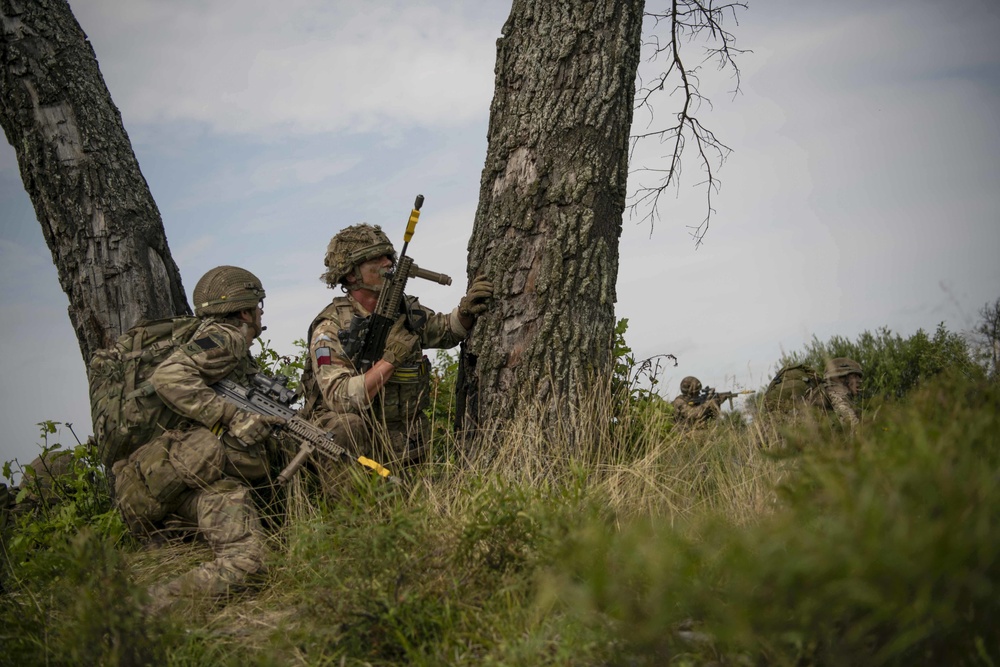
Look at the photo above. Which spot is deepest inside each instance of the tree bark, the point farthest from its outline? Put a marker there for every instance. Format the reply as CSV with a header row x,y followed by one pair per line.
x,y
96,212
551,199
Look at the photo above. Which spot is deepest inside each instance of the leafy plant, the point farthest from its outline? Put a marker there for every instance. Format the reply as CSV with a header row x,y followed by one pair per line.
x,y
275,364
62,492
893,365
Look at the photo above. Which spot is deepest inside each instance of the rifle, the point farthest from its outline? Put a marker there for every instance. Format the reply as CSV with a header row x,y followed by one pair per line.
x,y
364,340
270,396
708,393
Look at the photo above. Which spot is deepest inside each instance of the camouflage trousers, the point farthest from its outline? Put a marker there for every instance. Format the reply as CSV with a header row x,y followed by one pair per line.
x,y
223,514
190,479
393,445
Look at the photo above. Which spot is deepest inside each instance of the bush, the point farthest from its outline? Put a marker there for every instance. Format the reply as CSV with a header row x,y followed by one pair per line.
x,y
887,553
893,365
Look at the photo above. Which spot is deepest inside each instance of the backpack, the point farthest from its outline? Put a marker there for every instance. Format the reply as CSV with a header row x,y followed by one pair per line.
x,y
792,385
125,410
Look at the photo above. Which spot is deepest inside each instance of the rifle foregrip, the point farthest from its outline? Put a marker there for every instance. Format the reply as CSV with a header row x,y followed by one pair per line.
x,y
293,467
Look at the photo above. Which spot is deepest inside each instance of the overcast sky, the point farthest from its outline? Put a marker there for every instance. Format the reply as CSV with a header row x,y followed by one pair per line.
x,y
862,191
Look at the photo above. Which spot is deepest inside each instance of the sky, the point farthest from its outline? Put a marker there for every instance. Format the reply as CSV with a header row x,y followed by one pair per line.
x,y
862,190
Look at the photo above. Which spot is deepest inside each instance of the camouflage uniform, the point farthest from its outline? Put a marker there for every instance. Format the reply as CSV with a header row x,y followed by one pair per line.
x,y
836,396
391,427
829,394
194,472
335,393
685,412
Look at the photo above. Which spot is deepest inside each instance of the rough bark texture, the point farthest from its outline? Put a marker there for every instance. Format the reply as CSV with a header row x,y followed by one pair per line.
x,y
97,214
550,207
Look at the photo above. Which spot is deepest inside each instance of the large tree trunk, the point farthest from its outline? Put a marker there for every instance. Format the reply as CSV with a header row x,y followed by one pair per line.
x,y
97,214
550,208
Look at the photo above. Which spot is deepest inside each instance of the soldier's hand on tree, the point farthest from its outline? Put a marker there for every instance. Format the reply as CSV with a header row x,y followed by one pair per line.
x,y
400,343
477,299
252,428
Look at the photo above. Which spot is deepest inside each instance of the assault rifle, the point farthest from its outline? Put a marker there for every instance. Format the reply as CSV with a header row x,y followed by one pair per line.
x,y
364,341
270,396
708,394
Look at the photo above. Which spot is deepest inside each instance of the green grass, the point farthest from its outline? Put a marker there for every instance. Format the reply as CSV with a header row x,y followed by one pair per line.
x,y
736,544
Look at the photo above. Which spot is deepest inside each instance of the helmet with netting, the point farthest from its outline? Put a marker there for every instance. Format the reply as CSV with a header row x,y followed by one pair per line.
x,y
690,385
226,289
839,367
352,246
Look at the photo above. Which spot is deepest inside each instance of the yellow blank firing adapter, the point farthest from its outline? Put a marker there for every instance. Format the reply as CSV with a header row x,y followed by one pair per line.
x,y
414,216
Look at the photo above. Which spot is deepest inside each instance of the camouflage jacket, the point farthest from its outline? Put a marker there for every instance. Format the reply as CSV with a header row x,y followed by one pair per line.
x,y
688,413
331,382
217,351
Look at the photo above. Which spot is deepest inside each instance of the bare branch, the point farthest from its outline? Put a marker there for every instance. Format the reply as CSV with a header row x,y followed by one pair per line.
x,y
686,21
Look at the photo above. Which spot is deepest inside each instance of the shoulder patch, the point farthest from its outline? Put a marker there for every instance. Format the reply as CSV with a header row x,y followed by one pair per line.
x,y
206,343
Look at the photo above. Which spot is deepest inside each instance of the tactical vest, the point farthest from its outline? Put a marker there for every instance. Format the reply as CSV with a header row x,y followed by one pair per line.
x,y
406,393
126,412
793,386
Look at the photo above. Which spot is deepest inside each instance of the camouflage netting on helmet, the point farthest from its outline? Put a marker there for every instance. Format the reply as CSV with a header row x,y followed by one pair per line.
x,y
841,367
352,246
690,385
226,289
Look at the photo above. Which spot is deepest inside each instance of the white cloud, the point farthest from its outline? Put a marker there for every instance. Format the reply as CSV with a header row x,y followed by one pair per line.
x,y
304,67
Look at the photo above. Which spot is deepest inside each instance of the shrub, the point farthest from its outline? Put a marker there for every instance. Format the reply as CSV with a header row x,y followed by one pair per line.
x,y
893,365
887,553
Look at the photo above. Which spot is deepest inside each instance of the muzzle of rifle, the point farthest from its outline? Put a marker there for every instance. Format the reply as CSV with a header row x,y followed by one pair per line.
x,y
439,278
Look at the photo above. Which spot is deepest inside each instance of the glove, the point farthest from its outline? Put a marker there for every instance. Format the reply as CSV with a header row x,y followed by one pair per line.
x,y
477,299
252,428
400,343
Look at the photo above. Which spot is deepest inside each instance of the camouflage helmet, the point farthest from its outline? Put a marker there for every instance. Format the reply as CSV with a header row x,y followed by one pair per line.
x,y
226,289
352,246
839,367
690,385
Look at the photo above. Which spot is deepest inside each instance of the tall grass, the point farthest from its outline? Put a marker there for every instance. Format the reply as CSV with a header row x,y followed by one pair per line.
x,y
636,543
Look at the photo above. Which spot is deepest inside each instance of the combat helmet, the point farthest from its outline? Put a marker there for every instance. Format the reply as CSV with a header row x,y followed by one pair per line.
x,y
352,246
690,385
839,367
226,289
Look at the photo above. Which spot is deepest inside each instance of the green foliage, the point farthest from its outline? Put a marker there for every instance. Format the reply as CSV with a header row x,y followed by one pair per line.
x,y
635,404
65,492
444,382
893,365
888,553
274,364
881,549
629,375
73,604
985,339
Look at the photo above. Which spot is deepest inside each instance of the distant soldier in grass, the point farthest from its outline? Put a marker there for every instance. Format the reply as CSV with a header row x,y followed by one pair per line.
x,y
377,412
690,408
179,454
797,387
